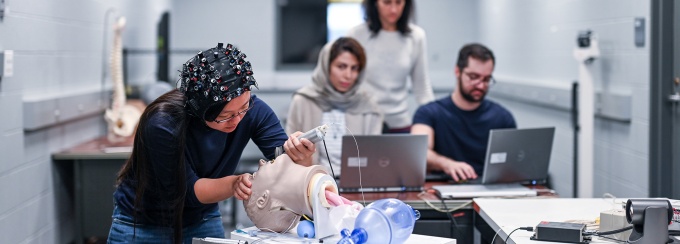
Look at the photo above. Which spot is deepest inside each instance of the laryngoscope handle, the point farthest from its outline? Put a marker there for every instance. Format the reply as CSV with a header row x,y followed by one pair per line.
x,y
314,135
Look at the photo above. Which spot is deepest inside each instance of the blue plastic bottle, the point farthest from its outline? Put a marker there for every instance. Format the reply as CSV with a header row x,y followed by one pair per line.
x,y
383,221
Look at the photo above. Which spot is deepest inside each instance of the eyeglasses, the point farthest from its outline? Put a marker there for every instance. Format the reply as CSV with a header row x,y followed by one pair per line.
x,y
475,79
242,112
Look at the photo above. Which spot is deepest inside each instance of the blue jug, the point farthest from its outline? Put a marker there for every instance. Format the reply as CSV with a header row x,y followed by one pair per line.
x,y
384,221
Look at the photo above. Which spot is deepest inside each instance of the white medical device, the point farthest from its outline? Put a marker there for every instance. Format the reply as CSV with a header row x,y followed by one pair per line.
x,y
585,53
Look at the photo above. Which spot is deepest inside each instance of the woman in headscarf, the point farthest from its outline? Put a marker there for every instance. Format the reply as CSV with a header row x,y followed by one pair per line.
x,y
335,98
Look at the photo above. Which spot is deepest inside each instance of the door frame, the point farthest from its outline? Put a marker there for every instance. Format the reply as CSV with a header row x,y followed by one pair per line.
x,y
662,51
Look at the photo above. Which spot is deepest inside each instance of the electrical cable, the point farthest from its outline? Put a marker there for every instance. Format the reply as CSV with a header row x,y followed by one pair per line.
x,y
608,195
307,218
611,232
445,210
274,233
358,158
513,231
454,224
494,236
508,237
254,233
614,231
329,158
420,195
261,239
361,186
613,198
613,239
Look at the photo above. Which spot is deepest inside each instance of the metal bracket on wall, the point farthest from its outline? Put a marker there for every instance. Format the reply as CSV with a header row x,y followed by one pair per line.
x,y
639,29
675,97
2,64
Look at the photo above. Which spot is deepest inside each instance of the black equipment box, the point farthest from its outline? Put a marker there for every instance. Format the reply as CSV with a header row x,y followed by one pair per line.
x,y
560,232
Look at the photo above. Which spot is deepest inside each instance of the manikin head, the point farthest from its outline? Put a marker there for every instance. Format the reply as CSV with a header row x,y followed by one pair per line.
x,y
281,193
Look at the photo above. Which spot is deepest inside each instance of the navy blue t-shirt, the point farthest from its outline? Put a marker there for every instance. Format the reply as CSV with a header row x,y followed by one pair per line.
x,y
463,135
208,154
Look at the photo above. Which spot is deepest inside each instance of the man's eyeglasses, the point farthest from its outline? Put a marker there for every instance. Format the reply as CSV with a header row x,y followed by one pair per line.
x,y
242,112
475,79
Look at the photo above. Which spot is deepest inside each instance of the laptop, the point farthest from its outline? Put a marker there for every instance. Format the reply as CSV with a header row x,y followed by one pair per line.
x,y
393,162
513,156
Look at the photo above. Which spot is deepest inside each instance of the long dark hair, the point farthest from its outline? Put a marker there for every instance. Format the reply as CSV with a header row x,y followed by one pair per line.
x,y
137,167
372,16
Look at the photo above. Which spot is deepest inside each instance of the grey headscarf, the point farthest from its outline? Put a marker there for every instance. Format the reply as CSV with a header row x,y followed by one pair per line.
x,y
354,101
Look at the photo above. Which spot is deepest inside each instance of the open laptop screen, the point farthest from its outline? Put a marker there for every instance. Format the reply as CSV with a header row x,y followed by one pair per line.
x,y
518,155
387,162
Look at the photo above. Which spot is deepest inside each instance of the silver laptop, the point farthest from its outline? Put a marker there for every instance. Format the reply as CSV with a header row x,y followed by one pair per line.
x,y
513,156
394,162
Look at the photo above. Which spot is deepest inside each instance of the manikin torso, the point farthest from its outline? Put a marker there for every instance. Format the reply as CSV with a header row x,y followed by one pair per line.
x,y
281,193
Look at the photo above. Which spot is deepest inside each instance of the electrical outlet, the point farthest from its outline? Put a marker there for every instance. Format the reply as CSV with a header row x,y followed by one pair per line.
x,y
7,64
2,64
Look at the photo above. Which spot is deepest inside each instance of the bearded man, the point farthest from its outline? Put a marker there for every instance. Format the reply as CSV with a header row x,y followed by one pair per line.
x,y
458,125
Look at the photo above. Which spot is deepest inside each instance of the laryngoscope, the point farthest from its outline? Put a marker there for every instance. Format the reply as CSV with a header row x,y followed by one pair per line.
x,y
314,135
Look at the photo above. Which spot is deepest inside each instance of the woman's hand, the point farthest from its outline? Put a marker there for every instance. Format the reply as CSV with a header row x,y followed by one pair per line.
x,y
299,150
242,186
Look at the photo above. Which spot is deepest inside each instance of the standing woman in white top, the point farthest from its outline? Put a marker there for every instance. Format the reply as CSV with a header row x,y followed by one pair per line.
x,y
335,97
395,50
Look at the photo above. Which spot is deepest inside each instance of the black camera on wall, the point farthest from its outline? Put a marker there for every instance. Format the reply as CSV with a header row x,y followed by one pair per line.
x,y
583,39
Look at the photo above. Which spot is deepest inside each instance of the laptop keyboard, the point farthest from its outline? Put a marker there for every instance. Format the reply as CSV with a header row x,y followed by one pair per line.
x,y
381,189
437,177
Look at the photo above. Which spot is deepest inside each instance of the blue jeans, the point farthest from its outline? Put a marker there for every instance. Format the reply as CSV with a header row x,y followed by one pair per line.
x,y
124,231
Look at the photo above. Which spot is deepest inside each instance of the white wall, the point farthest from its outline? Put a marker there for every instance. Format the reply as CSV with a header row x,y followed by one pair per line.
x,y
197,27
57,52
449,24
533,41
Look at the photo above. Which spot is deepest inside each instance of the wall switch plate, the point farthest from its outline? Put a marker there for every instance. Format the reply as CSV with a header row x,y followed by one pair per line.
x,y
639,25
7,63
2,64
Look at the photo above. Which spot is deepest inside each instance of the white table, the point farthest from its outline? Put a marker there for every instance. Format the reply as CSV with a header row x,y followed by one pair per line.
x,y
505,215
414,238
